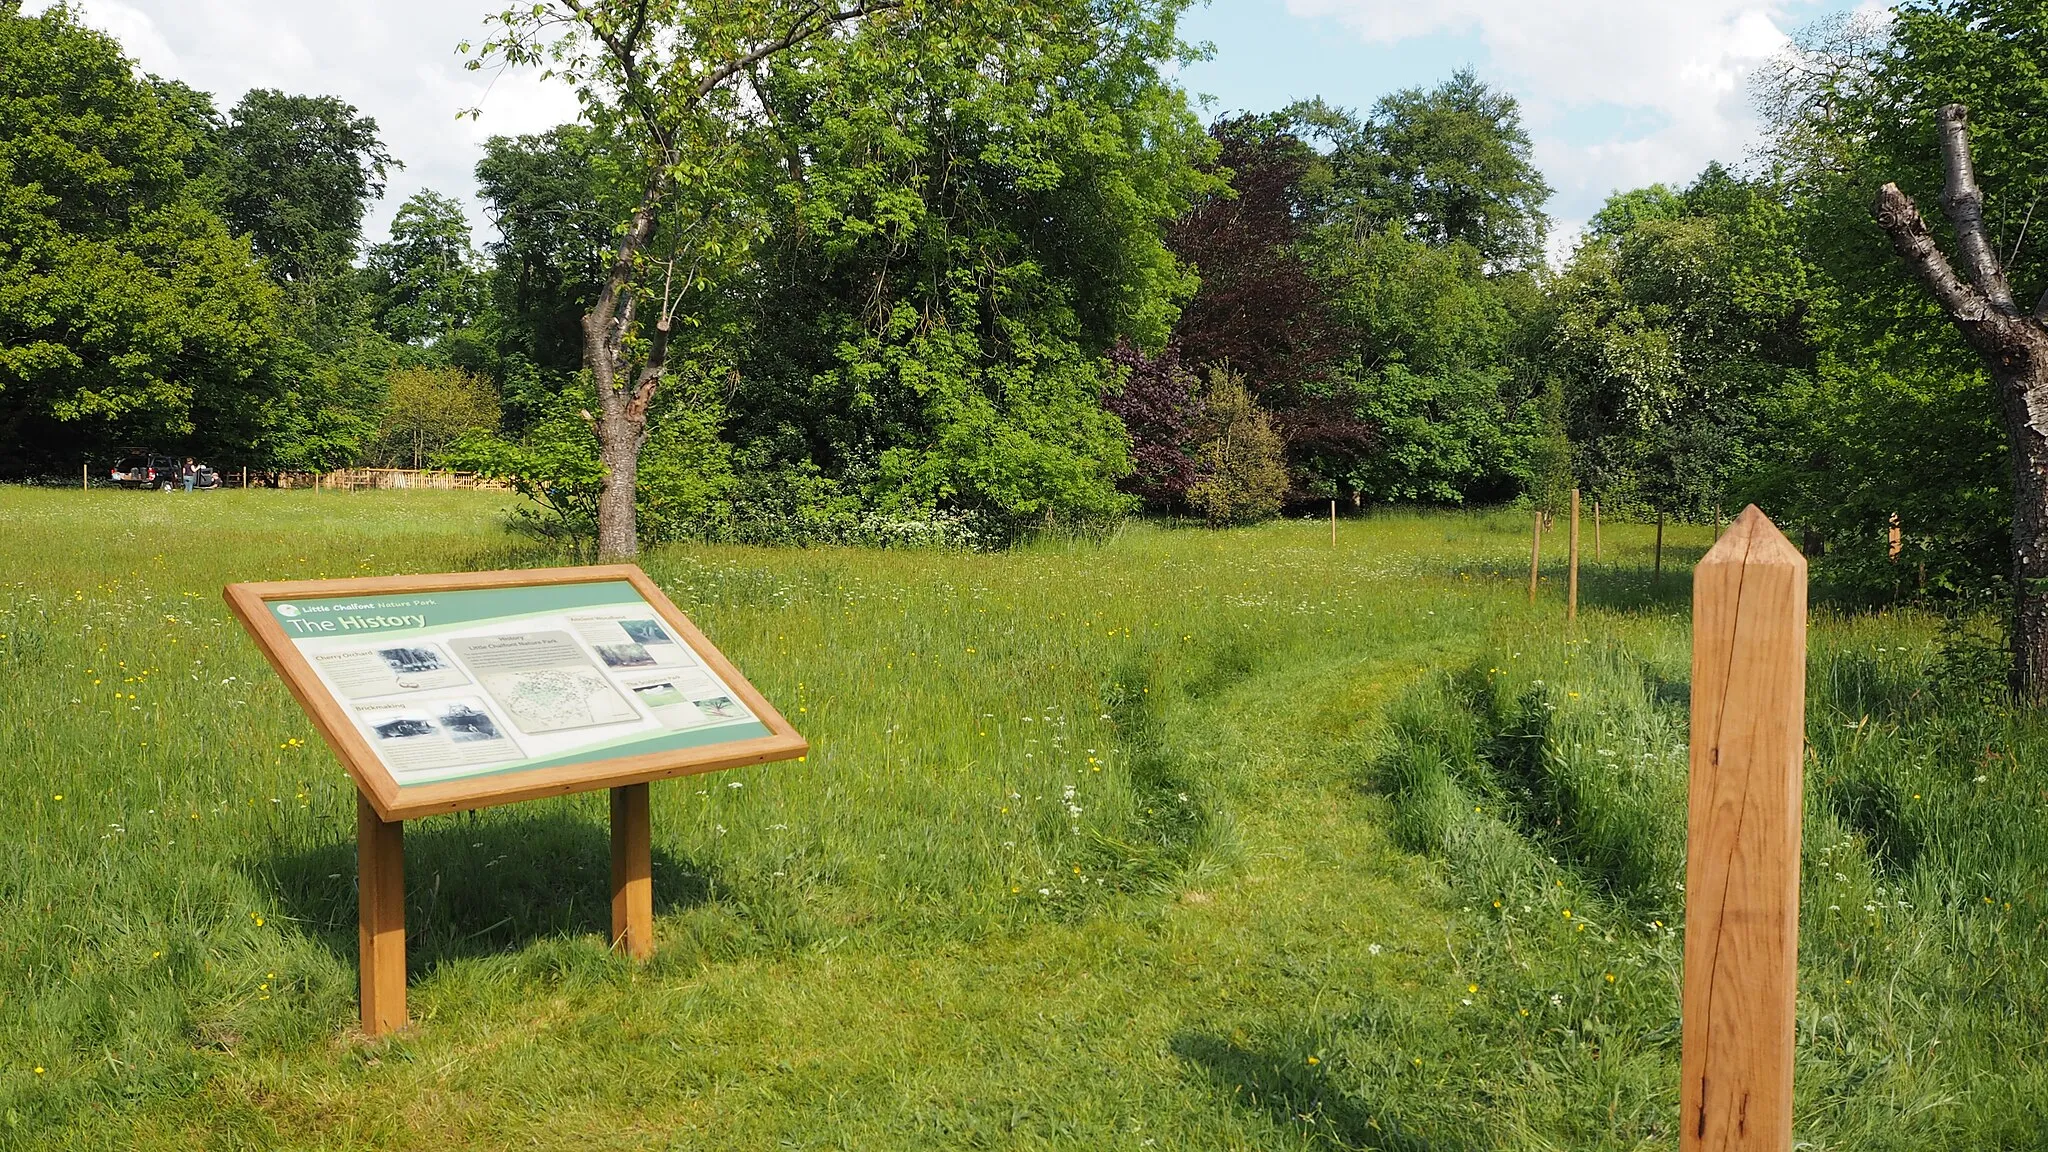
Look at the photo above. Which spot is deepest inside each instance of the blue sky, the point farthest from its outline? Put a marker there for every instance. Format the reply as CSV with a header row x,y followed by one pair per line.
x,y
1615,93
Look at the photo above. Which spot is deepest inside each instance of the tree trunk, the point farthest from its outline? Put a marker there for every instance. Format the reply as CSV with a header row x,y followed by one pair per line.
x,y
2014,348
2023,395
621,421
618,521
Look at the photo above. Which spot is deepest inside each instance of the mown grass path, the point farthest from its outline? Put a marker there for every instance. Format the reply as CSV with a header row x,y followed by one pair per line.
x,y
1085,857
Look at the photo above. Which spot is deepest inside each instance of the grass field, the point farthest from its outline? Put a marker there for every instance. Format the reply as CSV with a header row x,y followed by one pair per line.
x,y
1182,840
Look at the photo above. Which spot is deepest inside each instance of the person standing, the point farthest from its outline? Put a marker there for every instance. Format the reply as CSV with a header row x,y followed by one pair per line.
x,y
191,474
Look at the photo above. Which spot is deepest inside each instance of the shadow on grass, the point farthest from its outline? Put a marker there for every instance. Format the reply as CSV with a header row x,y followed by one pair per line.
x,y
1622,588
1279,1081
479,884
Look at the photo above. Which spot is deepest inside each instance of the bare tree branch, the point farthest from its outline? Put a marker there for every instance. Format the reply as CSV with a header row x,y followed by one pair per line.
x,y
1964,203
1901,220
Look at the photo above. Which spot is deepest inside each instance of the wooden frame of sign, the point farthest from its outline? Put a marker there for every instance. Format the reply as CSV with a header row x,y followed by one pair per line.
x,y
490,688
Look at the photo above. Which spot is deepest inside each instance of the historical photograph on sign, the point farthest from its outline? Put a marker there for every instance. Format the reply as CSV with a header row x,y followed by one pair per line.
x,y
418,737
723,708
466,724
414,660
359,673
624,655
543,681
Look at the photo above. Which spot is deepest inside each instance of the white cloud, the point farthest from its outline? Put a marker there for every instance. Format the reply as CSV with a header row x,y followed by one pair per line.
x,y
1586,70
395,60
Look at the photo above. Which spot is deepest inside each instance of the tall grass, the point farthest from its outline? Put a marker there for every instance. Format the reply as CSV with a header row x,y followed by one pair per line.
x,y
1549,778
1177,839
1012,755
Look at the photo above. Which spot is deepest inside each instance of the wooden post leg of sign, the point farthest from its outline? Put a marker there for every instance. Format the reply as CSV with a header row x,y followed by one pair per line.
x,y
1657,572
1742,842
380,934
1535,554
1571,608
632,872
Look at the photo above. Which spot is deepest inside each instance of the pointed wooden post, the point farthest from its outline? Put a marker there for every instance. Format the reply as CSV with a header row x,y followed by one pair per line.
x,y
380,918
1535,553
632,872
1742,842
1571,601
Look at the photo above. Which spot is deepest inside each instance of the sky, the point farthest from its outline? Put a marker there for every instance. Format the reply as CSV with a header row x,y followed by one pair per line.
x,y
1615,93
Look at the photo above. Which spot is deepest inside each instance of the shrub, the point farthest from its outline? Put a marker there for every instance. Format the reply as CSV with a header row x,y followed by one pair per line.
x,y
1241,473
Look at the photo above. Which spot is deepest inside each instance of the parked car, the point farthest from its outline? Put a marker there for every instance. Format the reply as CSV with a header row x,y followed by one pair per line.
x,y
143,469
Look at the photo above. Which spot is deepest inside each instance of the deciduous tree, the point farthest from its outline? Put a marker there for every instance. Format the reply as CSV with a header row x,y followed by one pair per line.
x,y
2012,339
667,75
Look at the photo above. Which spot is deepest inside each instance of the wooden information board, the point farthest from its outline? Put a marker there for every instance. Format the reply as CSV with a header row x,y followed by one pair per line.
x,y
444,693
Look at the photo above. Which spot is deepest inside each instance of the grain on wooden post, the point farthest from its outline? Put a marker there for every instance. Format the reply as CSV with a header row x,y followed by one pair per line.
x,y
1742,842
1571,597
632,872
1535,553
380,918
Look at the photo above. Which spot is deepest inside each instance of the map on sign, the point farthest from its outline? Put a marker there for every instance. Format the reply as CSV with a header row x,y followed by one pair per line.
x,y
470,682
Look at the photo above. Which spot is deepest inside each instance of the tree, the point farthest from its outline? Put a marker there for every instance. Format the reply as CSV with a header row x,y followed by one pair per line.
x,y
428,409
1682,324
1240,476
664,74
2013,342
127,311
1160,404
870,250
297,173
1447,164
424,280
1260,309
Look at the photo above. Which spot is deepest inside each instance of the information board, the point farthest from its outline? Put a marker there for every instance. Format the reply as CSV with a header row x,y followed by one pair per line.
x,y
448,692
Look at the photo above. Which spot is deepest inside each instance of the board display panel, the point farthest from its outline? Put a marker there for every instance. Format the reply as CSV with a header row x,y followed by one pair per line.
x,y
442,693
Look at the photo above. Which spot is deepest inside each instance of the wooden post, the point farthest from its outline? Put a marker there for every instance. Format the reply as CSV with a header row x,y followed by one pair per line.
x,y
1333,523
245,477
1742,842
632,872
1657,571
1571,601
1535,554
380,931
1898,543
1596,531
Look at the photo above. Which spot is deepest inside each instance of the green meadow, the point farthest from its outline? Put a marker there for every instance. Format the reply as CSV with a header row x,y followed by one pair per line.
x,y
1179,840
